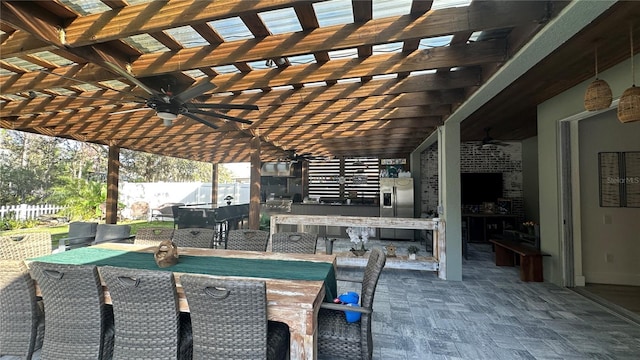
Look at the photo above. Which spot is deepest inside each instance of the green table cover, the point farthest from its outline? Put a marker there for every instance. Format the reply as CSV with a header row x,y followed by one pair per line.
x,y
209,265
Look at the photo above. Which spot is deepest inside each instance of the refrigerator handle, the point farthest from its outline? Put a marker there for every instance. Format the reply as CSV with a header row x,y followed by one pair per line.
x,y
395,202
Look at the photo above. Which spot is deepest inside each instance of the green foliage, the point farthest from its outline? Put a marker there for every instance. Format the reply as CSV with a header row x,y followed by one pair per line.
x,y
11,223
81,198
144,167
20,185
265,222
413,249
225,176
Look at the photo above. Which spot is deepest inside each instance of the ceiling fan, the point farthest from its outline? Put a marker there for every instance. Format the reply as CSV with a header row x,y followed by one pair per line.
x,y
293,155
488,141
169,106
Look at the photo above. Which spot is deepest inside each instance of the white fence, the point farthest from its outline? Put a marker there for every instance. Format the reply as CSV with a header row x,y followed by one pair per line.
x,y
152,193
24,211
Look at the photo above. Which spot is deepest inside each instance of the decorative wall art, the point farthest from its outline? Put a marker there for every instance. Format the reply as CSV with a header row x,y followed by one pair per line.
x,y
619,179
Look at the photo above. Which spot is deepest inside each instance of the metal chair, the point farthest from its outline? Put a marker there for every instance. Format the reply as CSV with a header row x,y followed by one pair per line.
x,y
21,316
152,235
251,240
113,233
294,242
339,339
79,324
25,246
194,237
80,234
148,324
229,320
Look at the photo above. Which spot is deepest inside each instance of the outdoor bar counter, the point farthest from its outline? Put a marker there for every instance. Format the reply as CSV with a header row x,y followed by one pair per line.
x,y
333,210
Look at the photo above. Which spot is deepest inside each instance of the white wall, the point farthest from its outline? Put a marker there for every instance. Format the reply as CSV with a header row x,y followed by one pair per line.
x,y
562,107
607,230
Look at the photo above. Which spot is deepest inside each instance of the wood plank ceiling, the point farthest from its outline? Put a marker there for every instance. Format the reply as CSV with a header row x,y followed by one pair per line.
x,y
331,78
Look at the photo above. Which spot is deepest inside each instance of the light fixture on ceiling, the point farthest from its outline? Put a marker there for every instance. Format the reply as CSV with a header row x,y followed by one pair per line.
x,y
629,105
167,117
273,62
598,95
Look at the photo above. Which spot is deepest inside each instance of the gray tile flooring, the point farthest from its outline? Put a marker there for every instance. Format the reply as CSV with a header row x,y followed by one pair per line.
x,y
490,314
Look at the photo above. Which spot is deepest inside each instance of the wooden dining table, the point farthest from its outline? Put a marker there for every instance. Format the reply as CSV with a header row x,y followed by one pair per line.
x,y
293,301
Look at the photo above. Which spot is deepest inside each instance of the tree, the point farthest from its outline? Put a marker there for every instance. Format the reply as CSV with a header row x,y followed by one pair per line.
x,y
145,167
225,176
81,198
31,165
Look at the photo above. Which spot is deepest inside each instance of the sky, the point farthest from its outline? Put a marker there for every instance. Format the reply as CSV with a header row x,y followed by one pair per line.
x,y
241,170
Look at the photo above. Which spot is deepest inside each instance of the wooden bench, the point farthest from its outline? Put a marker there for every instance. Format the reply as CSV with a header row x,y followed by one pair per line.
x,y
530,258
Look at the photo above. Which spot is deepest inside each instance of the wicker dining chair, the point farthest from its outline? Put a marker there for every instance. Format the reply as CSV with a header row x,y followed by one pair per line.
x,y
148,322
229,320
21,315
79,324
294,242
338,338
152,235
25,246
250,240
194,237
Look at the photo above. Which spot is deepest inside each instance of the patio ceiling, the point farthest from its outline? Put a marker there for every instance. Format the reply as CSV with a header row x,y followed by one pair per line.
x,y
331,78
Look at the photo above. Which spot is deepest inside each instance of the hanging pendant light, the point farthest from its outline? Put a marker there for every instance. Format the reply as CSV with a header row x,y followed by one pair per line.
x,y
598,95
629,106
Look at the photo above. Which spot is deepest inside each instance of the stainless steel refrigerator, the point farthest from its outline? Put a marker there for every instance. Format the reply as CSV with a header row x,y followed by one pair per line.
x,y
396,200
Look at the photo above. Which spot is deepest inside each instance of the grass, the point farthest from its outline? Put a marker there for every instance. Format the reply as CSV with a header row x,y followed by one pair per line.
x,y
61,231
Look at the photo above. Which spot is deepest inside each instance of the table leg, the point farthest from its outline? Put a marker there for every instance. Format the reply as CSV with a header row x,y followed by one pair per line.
x,y
303,346
531,268
504,257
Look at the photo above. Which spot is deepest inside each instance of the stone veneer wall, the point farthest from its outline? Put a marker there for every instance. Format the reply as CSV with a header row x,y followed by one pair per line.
x,y
475,158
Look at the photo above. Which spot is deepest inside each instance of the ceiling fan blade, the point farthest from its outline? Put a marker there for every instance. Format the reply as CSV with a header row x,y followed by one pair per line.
x,y
221,116
200,120
129,111
131,78
224,106
88,83
194,91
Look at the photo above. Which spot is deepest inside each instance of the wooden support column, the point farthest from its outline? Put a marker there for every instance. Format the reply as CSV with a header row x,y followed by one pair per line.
x,y
214,184
254,189
113,175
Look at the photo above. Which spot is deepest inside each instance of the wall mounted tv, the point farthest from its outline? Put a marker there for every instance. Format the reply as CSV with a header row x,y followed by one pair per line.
x,y
477,188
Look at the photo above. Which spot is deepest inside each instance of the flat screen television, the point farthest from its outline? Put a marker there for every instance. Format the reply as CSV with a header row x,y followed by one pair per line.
x,y
477,188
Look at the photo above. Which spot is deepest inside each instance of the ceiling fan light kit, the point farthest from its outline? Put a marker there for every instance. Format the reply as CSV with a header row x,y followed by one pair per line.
x,y
598,95
629,105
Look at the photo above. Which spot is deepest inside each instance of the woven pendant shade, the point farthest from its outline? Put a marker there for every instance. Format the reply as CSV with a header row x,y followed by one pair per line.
x,y
598,96
629,106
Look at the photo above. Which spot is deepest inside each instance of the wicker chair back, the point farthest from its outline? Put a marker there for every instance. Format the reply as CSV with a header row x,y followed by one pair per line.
x,y
194,237
79,324
21,319
229,320
249,240
152,235
294,242
146,314
25,246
